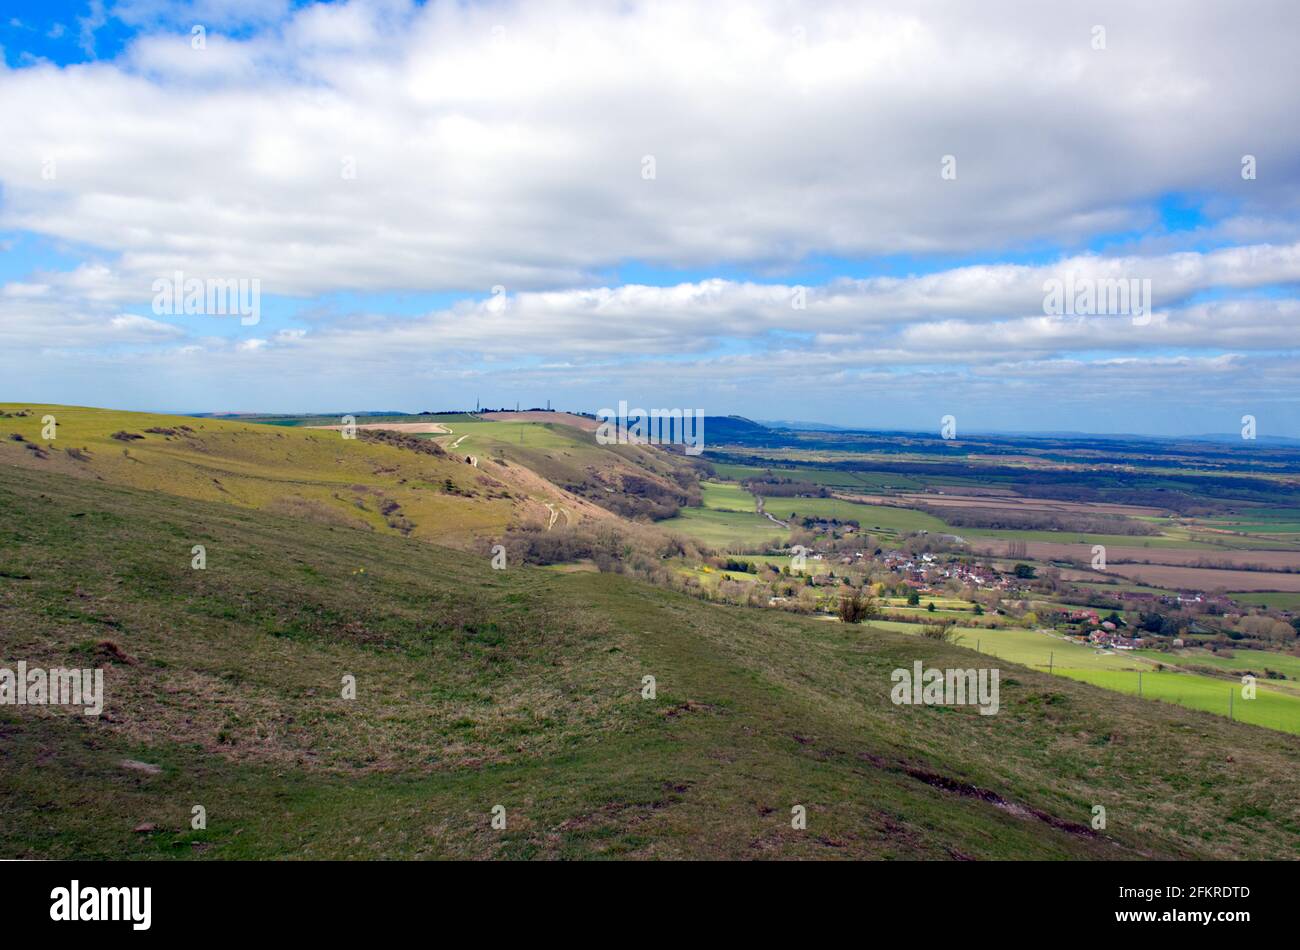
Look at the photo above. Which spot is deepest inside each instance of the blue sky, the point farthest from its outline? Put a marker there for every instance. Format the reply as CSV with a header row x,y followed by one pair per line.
x,y
853,212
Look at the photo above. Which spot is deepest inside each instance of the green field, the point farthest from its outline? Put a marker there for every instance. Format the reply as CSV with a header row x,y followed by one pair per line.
x,y
1282,522
1275,707
1272,600
939,601
1253,661
731,531
486,437
831,478
1103,587
728,496
1270,708
870,517
1074,537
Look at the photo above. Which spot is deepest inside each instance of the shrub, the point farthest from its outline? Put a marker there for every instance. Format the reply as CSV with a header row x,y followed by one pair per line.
x,y
943,630
857,607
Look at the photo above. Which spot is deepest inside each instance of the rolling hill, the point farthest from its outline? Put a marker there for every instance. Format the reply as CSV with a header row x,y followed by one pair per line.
x,y
520,688
499,475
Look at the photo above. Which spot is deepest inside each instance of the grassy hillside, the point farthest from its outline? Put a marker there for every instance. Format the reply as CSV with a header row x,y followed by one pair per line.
x,y
309,474
522,688
633,480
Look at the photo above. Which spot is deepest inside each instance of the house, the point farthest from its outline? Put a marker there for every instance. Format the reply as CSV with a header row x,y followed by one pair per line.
x,y
1115,641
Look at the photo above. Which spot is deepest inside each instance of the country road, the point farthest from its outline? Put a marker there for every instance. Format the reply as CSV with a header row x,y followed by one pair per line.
x,y
758,506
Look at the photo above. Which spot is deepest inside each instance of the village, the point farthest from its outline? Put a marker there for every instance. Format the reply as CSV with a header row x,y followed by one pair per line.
x,y
913,584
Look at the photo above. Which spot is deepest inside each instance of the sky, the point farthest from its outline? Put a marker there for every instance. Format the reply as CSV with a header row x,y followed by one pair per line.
x,y
852,213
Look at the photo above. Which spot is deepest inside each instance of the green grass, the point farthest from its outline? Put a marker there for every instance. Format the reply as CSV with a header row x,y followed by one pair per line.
x,y
1284,522
1272,709
1253,661
563,455
1074,537
1275,706
870,517
1271,600
318,475
522,688
1103,587
831,478
486,436
731,531
309,473
727,496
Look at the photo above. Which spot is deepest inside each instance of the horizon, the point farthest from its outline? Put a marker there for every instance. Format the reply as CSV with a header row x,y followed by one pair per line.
x,y
791,424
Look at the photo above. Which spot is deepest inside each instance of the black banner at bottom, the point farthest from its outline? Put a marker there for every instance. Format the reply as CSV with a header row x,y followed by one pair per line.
x,y
333,900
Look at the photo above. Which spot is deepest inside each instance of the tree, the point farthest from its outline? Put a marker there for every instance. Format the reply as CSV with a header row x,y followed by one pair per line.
x,y
930,606
854,608
979,609
1025,571
1155,622
913,598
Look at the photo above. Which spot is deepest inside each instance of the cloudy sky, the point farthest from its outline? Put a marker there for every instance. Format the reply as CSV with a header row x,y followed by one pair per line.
x,y
847,213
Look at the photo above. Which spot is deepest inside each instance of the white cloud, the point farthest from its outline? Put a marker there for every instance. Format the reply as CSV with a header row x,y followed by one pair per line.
x,y
379,147
513,155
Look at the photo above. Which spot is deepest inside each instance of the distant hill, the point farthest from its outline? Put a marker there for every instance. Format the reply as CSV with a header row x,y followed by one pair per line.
x,y
385,482
736,429
803,426
461,479
1235,438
